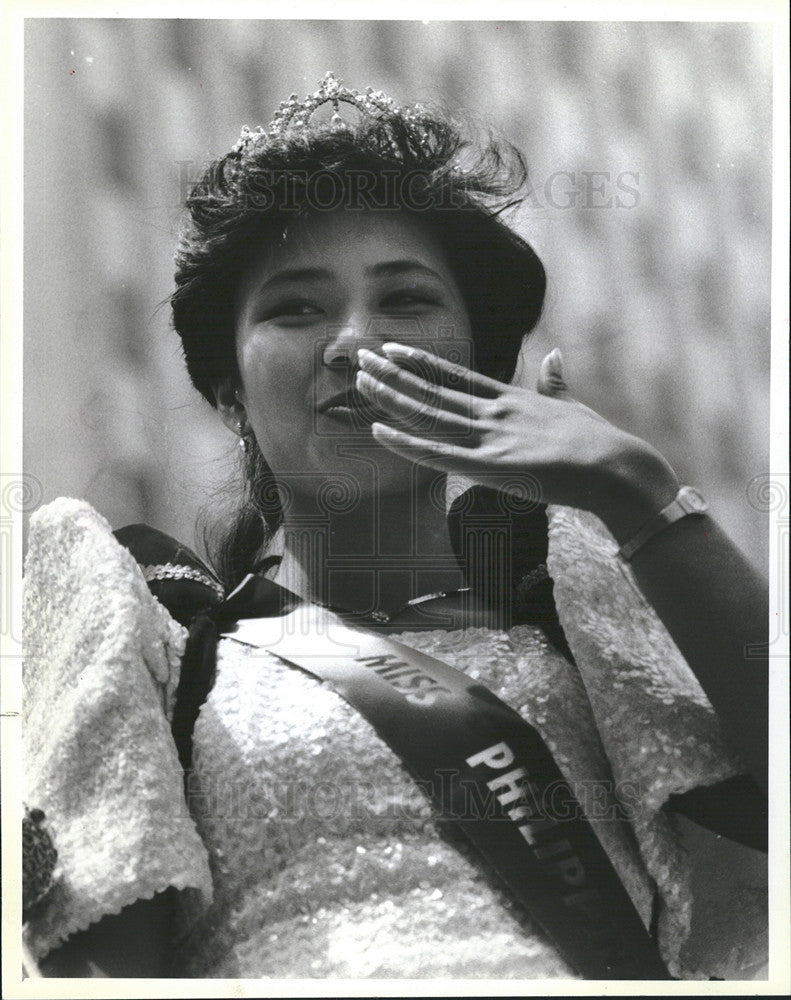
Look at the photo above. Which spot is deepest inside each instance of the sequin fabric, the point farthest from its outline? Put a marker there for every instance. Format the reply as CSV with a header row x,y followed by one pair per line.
x,y
661,737
101,666
39,859
324,857
326,860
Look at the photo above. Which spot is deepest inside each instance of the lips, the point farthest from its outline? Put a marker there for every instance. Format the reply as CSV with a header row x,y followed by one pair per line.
x,y
346,402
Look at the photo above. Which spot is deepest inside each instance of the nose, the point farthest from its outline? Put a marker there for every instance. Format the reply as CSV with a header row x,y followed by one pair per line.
x,y
342,345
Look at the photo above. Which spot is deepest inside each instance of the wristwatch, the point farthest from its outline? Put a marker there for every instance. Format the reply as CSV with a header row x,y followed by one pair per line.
x,y
689,501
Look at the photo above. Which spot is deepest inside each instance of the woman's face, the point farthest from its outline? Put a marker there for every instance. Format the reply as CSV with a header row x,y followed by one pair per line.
x,y
338,282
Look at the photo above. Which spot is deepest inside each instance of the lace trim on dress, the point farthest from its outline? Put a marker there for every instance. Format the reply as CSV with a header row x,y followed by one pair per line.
x,y
169,571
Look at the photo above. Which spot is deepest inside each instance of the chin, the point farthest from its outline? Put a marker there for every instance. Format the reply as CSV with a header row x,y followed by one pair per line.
x,y
375,468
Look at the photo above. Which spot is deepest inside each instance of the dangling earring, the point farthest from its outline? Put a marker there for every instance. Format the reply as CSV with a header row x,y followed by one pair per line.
x,y
243,444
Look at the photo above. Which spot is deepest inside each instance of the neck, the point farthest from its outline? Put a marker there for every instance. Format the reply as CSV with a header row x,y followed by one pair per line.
x,y
374,555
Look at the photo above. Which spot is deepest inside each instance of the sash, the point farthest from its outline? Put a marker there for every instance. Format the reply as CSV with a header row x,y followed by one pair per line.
x,y
482,765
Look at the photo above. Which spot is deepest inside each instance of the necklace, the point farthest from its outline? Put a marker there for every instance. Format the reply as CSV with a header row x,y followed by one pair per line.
x,y
384,617
380,617
521,595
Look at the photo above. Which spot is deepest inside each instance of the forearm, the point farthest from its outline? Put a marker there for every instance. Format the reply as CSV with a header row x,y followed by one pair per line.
x,y
714,605
708,595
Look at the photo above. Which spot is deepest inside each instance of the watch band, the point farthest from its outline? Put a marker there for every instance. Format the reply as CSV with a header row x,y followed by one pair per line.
x,y
688,501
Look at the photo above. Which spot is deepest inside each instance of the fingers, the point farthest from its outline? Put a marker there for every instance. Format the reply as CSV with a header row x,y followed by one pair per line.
x,y
551,378
458,376
425,392
412,413
438,454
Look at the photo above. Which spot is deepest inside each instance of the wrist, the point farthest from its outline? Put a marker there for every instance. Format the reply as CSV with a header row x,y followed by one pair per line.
x,y
635,484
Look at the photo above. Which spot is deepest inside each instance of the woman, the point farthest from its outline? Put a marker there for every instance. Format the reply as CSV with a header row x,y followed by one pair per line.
x,y
351,303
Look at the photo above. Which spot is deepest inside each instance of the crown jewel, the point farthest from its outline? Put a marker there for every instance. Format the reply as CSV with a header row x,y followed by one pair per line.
x,y
294,114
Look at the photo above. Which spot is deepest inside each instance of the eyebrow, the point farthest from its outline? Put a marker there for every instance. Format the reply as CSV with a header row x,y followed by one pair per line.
x,y
295,275
392,268
388,268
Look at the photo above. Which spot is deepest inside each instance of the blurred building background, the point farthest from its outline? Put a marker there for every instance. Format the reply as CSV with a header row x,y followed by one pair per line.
x,y
649,148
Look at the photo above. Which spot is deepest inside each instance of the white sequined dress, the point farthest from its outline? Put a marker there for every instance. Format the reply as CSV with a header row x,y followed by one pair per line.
x,y
307,851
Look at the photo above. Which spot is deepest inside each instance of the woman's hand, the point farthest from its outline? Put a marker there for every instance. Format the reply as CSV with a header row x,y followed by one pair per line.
x,y
709,597
504,436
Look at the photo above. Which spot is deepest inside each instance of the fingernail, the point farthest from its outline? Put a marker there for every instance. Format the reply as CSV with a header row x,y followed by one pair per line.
x,y
555,359
392,348
368,359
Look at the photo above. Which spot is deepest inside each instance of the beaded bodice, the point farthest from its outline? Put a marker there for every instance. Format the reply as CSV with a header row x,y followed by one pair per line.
x,y
325,858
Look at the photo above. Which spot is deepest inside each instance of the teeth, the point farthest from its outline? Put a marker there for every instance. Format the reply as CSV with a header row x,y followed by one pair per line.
x,y
350,400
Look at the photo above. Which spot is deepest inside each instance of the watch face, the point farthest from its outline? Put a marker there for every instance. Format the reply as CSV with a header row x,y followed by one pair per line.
x,y
693,500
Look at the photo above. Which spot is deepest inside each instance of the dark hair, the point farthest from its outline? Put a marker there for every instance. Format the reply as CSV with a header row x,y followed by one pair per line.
x,y
423,165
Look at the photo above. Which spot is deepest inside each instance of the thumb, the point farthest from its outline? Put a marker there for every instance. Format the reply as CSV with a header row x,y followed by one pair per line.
x,y
552,377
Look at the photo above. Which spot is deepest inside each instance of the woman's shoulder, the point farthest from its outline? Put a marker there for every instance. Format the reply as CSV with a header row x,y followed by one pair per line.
x,y
98,751
86,598
72,550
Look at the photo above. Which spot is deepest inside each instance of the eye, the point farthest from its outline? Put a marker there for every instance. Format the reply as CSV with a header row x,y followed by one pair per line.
x,y
292,309
408,298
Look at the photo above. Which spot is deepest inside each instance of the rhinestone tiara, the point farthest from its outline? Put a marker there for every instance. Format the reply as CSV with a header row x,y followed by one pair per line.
x,y
294,115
